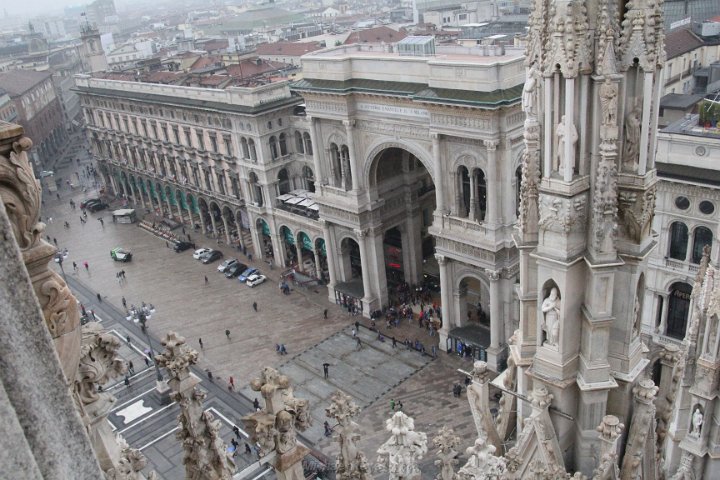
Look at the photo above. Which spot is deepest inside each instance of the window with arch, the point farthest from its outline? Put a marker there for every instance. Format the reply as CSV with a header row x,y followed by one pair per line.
x,y
282,141
518,186
256,189
283,181
463,176
244,147
335,165
678,309
308,143
701,236
678,241
274,153
299,147
308,178
253,151
480,201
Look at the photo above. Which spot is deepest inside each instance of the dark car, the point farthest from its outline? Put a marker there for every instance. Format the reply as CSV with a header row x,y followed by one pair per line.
x,y
211,256
182,246
235,270
96,207
86,203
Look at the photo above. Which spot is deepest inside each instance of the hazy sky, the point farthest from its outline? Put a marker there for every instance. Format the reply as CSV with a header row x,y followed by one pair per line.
x,y
31,8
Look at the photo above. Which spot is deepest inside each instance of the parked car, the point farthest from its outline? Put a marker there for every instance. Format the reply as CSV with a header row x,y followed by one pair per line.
x,y
211,256
227,264
120,254
235,269
88,201
182,246
96,207
244,275
200,252
255,279
46,173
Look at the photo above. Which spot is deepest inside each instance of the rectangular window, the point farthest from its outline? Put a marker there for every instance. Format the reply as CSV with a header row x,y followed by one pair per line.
x,y
134,125
176,134
164,129
127,125
200,139
154,130
228,145
188,139
143,124
213,143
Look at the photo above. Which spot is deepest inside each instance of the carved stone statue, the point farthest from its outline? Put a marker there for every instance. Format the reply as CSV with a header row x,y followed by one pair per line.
x,y
405,447
551,314
529,95
608,102
351,463
447,443
565,132
632,134
697,422
275,426
482,463
205,454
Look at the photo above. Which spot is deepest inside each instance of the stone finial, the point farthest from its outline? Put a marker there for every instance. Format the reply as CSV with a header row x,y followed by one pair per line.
x,y
645,391
482,463
351,463
480,372
99,363
178,356
541,398
130,464
405,447
447,443
610,428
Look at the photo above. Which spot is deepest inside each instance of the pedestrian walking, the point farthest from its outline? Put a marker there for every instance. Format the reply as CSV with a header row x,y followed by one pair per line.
x,y
392,404
231,385
201,344
206,280
75,267
147,361
236,431
124,303
328,430
167,244
128,340
357,325
99,298
358,343
122,274
325,312
209,374
131,367
394,344
399,406
55,241
354,332
87,266
256,405
227,334
127,381
326,368
255,306
102,222
247,449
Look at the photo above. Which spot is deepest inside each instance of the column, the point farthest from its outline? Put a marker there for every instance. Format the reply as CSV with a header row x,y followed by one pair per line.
x,y
457,181
316,257
354,173
317,149
179,208
664,314
227,229
444,299
212,221
149,192
548,128
202,221
412,242
474,204
569,146
492,196
495,319
377,265
279,250
167,200
114,187
330,250
364,264
646,121
438,177
298,249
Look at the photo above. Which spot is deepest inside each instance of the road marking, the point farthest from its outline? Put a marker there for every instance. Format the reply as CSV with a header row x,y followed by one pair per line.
x,y
158,439
132,400
136,376
146,418
133,412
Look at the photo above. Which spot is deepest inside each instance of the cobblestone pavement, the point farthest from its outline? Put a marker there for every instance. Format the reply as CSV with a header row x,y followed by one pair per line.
x,y
174,283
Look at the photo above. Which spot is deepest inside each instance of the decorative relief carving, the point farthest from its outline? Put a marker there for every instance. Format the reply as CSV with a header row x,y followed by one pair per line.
x,y
461,121
569,42
395,130
636,213
399,456
464,249
562,215
331,107
528,218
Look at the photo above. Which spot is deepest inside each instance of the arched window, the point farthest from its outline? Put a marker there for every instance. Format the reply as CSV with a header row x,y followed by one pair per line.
x,y
253,152
678,241
464,187
335,164
283,182
480,195
345,161
283,145
256,189
273,148
701,236
309,178
299,147
244,146
678,309
308,144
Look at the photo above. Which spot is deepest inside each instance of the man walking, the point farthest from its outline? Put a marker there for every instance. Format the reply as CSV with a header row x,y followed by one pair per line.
x,y
392,404
358,343
232,383
87,266
227,334
124,302
325,312
200,342
326,367
255,306
206,280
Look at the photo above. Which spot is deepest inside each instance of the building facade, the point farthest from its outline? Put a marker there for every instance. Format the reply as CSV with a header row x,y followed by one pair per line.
x,y
401,182
38,110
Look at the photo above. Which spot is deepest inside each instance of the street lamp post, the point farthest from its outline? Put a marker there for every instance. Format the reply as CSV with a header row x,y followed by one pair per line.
x,y
143,319
60,261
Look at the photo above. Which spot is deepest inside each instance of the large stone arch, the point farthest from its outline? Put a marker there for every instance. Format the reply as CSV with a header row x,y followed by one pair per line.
x,y
416,150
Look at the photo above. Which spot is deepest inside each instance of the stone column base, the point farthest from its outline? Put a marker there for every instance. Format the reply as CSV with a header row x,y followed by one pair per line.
x,y
494,354
162,392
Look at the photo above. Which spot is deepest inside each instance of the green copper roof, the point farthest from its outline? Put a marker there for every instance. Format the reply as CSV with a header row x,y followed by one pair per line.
x,y
415,91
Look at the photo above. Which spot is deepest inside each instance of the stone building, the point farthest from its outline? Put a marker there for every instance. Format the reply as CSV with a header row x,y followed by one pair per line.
x,y
380,182
38,110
